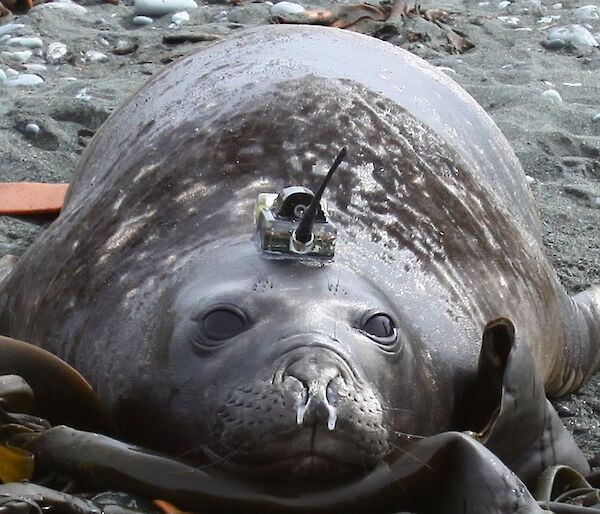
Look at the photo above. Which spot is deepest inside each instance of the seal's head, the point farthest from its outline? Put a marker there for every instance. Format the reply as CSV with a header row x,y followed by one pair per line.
x,y
280,370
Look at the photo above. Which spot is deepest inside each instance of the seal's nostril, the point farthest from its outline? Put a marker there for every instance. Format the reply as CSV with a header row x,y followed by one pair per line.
x,y
318,375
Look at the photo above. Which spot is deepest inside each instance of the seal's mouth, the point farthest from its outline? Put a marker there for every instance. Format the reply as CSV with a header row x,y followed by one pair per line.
x,y
313,457
308,470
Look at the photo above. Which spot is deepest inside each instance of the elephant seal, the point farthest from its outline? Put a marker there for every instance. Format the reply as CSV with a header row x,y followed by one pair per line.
x,y
303,373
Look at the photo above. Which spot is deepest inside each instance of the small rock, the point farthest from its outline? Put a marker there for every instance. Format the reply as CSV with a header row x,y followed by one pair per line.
x,y
555,44
588,12
564,412
35,67
2,75
581,428
95,56
125,46
10,72
82,94
25,79
574,35
510,20
596,118
597,201
283,8
179,17
530,179
220,16
553,95
545,20
64,5
20,57
557,6
504,4
5,39
56,53
142,20
9,28
27,42
162,7
31,129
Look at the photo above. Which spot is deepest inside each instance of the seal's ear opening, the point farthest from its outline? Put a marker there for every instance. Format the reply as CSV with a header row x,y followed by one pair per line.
x,y
484,394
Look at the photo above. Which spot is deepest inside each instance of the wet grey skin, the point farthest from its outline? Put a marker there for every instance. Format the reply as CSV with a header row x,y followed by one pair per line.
x,y
150,286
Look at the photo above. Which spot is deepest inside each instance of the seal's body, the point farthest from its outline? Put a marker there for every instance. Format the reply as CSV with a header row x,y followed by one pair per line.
x,y
150,286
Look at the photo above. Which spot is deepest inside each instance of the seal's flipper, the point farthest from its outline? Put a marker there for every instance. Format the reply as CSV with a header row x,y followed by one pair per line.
x,y
60,394
523,428
582,332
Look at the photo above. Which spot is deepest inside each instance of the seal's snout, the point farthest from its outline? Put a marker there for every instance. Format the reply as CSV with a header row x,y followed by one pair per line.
x,y
311,418
321,375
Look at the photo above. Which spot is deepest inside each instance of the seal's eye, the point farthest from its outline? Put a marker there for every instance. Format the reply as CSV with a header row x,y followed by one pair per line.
x,y
223,322
380,327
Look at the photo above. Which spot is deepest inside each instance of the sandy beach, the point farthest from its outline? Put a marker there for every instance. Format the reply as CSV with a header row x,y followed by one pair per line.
x,y
534,66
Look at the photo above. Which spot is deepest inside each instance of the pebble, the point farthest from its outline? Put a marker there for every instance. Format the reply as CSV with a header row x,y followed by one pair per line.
x,y
554,44
9,28
283,8
504,4
32,129
64,5
82,94
10,72
35,67
179,17
56,53
530,179
548,19
95,56
2,75
5,39
162,7
25,79
564,412
596,118
588,12
220,16
510,20
27,42
597,201
574,35
20,57
557,6
552,94
142,20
